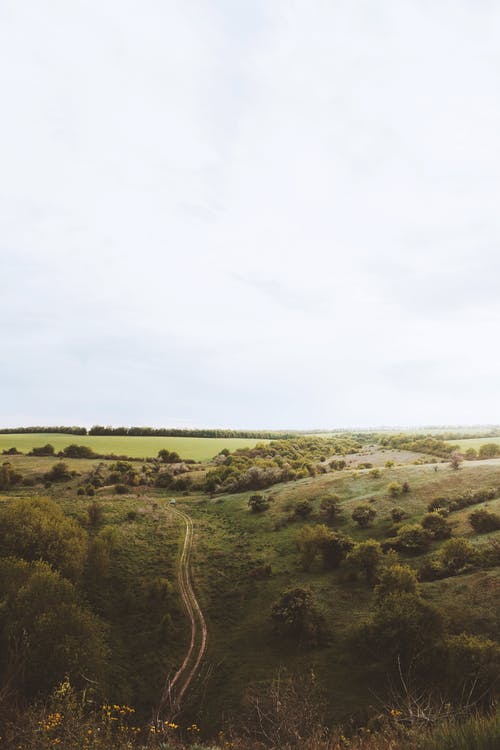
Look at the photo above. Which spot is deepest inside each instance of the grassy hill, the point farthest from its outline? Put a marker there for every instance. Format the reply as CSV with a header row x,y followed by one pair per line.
x,y
242,563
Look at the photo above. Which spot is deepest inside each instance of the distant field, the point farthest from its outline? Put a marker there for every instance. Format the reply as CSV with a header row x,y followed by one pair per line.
x,y
199,449
473,442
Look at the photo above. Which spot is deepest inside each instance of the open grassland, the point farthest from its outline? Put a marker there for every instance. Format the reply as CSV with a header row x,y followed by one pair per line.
x,y
232,543
199,449
139,598
475,443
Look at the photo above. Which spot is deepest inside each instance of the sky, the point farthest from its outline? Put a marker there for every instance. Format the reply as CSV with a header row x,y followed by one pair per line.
x,y
250,214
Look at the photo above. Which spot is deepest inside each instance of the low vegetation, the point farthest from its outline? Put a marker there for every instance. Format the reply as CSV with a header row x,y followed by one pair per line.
x,y
346,607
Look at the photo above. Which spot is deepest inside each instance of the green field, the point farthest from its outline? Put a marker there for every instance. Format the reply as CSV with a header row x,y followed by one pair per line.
x,y
475,443
199,449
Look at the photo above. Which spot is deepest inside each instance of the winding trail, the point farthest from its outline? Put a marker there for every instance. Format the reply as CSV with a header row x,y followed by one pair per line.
x,y
176,688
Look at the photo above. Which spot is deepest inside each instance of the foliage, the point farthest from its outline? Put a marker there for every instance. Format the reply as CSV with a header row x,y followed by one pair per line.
x,y
58,473
310,542
329,507
258,503
483,521
397,514
366,557
296,615
396,579
37,529
303,508
335,549
364,515
43,625
456,553
413,538
436,525
394,489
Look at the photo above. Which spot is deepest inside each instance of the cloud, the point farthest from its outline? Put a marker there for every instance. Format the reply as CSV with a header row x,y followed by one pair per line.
x,y
267,214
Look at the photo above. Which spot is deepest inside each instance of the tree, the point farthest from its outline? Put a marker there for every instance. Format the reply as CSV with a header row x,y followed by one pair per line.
x,y
455,461
329,506
436,525
404,627
335,549
296,615
363,514
310,541
483,521
258,503
456,553
37,529
413,538
366,556
41,615
396,579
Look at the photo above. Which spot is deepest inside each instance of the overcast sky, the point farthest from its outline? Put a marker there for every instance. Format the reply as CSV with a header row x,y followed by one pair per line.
x,y
250,213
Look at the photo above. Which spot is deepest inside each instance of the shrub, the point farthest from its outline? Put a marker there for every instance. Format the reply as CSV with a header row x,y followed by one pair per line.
x,y
363,514
394,489
131,515
94,512
483,521
89,491
456,554
121,489
258,503
403,627
310,541
296,615
413,538
436,525
375,473
397,514
303,508
366,557
80,491
335,548
389,464
58,473
489,450
37,529
44,450
396,579
329,506
406,487
79,451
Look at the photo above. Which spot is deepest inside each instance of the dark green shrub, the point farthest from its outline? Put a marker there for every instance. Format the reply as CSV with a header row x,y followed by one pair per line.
x,y
436,525
121,489
483,521
303,508
413,538
258,503
363,514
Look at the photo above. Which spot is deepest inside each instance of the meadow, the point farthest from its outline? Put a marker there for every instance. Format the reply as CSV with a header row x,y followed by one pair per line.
x,y
475,443
198,449
242,563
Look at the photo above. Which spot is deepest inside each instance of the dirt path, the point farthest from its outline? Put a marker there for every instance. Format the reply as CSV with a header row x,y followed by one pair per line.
x,y
176,688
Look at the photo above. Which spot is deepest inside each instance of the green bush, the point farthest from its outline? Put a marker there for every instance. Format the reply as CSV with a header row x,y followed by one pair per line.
x,y
413,538
436,525
483,521
258,503
363,514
